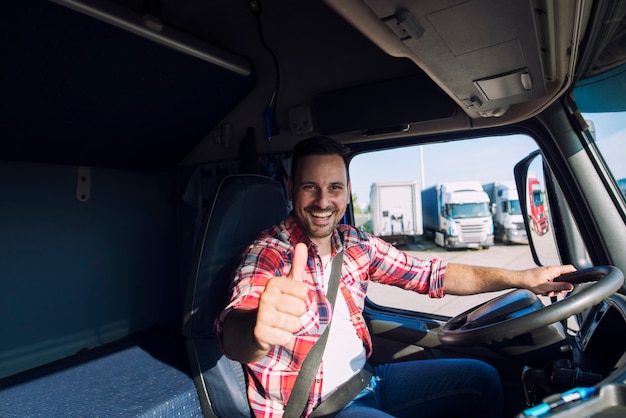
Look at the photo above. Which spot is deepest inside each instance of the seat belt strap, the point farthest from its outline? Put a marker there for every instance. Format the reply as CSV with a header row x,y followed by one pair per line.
x,y
343,395
302,388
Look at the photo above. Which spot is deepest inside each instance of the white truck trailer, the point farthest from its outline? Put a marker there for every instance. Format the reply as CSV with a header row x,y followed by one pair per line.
x,y
508,220
457,215
396,209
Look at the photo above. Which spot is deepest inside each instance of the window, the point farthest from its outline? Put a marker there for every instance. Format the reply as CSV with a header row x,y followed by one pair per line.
x,y
514,207
405,172
609,131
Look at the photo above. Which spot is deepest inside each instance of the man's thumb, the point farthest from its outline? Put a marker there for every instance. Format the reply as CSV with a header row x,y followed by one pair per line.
x,y
298,263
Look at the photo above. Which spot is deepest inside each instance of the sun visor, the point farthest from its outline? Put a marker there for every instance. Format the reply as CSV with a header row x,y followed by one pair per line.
x,y
489,54
383,107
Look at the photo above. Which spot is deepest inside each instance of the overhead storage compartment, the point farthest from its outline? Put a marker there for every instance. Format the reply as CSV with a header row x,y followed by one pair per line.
x,y
84,92
383,107
488,70
502,69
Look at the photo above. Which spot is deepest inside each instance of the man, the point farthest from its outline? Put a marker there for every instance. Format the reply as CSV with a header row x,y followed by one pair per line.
x,y
279,309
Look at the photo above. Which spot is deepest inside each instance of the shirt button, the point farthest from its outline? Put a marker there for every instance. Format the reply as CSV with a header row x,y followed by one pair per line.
x,y
318,264
318,380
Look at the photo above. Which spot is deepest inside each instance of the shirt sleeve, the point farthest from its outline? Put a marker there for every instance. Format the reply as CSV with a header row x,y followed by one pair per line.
x,y
257,265
397,268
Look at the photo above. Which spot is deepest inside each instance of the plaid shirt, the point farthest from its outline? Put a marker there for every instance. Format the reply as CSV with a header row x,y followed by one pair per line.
x,y
366,257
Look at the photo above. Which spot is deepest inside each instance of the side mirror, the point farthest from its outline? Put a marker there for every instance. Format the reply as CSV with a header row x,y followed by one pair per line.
x,y
531,188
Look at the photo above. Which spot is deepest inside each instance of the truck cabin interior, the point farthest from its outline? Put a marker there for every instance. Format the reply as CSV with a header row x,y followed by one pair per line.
x,y
121,119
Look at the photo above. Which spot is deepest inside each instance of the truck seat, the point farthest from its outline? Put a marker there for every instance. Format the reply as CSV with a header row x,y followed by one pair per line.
x,y
243,206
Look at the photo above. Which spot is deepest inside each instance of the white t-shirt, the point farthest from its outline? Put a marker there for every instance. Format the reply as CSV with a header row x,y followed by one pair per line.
x,y
344,354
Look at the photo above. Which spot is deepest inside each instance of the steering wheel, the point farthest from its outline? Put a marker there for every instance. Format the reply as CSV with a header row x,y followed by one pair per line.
x,y
521,311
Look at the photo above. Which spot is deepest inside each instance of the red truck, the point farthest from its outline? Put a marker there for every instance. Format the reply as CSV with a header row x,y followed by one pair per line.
x,y
536,206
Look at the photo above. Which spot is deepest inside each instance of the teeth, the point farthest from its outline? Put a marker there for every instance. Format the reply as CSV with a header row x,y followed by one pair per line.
x,y
321,214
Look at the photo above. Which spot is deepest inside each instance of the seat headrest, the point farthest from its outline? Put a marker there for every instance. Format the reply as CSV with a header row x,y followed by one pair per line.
x,y
243,206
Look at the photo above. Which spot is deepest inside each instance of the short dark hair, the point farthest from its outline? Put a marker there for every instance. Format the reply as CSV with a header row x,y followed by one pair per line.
x,y
317,145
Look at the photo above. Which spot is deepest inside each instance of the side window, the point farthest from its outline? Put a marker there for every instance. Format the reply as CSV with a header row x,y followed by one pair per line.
x,y
609,130
455,201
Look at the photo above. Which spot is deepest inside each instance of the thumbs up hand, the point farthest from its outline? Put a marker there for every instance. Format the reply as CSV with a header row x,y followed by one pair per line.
x,y
298,263
281,305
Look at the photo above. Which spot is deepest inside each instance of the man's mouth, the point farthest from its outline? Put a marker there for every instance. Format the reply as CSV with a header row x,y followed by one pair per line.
x,y
321,214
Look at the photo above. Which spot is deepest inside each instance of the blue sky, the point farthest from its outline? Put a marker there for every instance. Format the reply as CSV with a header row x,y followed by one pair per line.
x,y
485,160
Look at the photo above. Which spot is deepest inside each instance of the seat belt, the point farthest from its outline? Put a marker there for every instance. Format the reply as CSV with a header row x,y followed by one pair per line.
x,y
302,388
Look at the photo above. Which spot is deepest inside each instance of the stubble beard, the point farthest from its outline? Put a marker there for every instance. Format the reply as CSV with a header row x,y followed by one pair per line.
x,y
313,230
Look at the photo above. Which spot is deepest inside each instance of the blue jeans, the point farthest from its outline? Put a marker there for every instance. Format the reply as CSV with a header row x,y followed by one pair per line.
x,y
430,388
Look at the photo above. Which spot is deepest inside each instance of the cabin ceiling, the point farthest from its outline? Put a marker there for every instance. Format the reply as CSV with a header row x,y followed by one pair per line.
x,y
105,96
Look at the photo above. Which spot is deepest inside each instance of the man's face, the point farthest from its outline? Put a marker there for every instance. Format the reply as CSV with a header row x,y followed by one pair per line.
x,y
319,192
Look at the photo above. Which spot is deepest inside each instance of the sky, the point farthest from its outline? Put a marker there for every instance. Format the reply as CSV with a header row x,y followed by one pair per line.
x,y
485,160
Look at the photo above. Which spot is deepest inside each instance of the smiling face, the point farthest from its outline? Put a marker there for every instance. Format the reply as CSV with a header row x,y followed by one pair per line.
x,y
319,192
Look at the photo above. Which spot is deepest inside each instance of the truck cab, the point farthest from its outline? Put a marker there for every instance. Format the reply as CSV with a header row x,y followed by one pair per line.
x,y
508,219
141,143
536,206
458,215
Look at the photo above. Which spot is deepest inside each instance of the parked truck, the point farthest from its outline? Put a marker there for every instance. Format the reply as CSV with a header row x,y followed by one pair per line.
x,y
508,220
536,206
396,209
457,215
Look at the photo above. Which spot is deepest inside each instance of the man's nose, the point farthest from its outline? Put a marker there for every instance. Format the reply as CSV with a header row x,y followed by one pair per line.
x,y
322,198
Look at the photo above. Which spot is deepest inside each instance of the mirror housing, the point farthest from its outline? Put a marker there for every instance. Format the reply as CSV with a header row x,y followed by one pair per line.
x,y
530,178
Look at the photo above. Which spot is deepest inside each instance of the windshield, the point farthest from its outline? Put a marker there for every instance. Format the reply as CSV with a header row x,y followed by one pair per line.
x,y
514,207
468,210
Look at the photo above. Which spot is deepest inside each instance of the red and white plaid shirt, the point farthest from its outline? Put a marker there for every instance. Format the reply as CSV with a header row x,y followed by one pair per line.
x,y
366,257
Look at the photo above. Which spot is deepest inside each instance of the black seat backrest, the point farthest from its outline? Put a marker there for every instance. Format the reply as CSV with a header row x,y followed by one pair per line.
x,y
243,206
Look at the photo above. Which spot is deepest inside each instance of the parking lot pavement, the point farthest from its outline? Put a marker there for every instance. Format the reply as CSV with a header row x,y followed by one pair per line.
x,y
514,257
